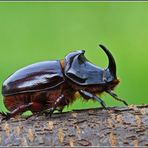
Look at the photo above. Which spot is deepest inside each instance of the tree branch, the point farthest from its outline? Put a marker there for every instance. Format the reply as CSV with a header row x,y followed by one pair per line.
x,y
117,126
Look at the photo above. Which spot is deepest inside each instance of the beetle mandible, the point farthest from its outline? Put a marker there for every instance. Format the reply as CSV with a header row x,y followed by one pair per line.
x,y
51,85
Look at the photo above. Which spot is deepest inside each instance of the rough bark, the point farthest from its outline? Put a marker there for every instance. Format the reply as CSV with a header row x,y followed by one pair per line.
x,y
117,126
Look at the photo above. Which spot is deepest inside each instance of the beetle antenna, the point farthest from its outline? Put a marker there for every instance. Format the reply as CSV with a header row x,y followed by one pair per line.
x,y
112,63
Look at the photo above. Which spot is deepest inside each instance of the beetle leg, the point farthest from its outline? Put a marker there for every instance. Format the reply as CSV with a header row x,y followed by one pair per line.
x,y
60,109
56,103
4,115
30,106
89,95
50,111
116,97
20,109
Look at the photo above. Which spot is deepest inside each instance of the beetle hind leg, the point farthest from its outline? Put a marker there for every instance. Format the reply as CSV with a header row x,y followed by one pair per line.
x,y
5,116
116,97
18,110
33,106
89,95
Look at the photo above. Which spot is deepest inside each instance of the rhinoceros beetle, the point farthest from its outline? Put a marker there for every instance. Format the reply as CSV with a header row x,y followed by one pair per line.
x,y
51,85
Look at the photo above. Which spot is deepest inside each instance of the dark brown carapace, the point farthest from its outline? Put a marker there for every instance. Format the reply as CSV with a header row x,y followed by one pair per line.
x,y
51,85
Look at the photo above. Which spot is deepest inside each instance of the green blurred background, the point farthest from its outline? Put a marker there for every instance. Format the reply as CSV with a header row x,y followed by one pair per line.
x,y
35,31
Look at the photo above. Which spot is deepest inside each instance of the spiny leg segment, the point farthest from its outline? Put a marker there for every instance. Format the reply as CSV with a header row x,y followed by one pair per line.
x,y
89,95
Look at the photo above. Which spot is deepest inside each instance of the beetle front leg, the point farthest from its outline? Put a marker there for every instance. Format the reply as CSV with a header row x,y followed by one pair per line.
x,y
56,104
116,97
89,95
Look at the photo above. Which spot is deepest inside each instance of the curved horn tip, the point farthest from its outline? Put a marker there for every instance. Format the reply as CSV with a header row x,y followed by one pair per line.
x,y
112,64
102,46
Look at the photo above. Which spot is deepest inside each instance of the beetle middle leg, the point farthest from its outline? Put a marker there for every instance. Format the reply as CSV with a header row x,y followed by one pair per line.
x,y
90,95
116,97
55,105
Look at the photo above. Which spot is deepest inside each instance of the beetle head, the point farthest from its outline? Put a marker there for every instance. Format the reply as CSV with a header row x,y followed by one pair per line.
x,y
110,71
83,72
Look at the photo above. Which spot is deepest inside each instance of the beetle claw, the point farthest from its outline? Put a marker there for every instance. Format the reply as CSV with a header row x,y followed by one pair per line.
x,y
6,116
49,112
103,105
2,113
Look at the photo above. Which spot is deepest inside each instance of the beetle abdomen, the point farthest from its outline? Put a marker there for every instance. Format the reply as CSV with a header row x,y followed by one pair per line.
x,y
35,77
45,99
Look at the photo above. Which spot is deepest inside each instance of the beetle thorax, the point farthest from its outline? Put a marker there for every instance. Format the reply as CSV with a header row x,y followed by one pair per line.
x,y
62,64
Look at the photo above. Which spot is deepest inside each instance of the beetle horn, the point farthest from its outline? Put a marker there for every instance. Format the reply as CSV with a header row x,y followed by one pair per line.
x,y
112,64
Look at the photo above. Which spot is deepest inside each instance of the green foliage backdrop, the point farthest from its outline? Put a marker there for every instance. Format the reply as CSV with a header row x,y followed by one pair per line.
x,y
34,31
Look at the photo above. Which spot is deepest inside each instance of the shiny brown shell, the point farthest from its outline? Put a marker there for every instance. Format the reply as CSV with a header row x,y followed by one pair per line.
x,y
35,77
